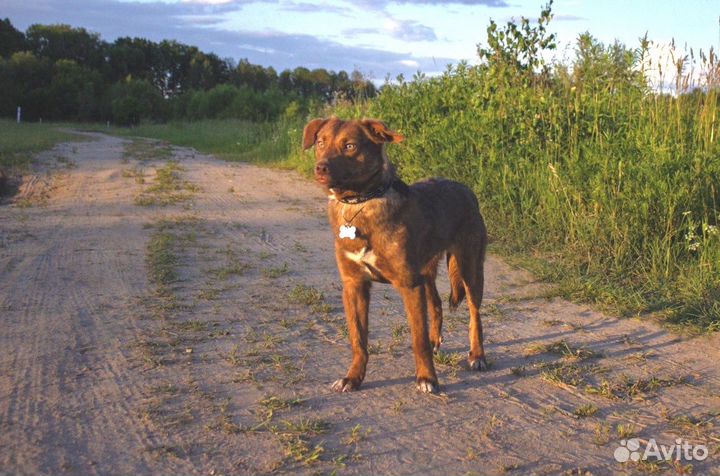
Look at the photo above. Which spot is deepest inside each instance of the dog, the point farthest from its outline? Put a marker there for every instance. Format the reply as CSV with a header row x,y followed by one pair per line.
x,y
389,232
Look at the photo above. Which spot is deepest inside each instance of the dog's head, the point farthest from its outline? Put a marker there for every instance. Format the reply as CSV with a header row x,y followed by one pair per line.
x,y
349,154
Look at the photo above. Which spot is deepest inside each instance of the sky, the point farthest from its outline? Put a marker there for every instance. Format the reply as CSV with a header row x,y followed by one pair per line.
x,y
381,38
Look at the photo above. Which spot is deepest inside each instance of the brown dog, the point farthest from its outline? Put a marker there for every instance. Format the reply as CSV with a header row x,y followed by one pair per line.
x,y
389,232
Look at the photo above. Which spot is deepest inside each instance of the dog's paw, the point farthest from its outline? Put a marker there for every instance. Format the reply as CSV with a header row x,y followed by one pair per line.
x,y
436,344
345,385
427,386
478,364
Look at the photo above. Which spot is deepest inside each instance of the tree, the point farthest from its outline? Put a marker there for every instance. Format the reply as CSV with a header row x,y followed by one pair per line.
x,y
254,76
11,39
26,78
205,71
518,48
57,42
63,72
131,57
74,91
134,100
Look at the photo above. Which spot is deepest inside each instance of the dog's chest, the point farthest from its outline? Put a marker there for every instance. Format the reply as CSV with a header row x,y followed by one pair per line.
x,y
369,261
364,238
364,256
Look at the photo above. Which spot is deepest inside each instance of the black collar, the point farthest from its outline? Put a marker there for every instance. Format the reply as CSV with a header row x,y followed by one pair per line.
x,y
355,199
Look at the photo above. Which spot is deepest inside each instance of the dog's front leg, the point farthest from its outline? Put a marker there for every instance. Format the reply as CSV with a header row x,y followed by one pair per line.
x,y
416,308
356,298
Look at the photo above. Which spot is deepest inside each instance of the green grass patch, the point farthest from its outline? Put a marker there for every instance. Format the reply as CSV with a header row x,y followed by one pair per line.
x,y
275,272
276,144
584,411
307,295
145,150
168,187
161,258
18,142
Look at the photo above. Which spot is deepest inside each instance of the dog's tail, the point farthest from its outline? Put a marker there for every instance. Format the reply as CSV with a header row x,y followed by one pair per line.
x,y
457,288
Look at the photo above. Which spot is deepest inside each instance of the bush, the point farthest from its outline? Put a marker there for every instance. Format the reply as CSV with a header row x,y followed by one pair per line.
x,y
613,183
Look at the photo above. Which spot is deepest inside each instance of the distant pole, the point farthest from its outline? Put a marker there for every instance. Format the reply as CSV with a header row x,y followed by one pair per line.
x,y
19,114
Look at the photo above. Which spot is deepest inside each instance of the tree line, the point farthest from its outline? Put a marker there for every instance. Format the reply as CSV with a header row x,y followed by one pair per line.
x,y
59,72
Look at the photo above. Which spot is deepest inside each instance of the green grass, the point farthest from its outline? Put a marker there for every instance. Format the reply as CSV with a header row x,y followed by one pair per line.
x,y
18,142
275,144
161,258
583,170
307,295
168,187
276,271
585,411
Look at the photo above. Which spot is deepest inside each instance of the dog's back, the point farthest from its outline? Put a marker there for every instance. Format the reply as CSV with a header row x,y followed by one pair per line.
x,y
449,214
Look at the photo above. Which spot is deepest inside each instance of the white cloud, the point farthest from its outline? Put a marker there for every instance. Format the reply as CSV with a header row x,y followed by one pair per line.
x,y
410,63
209,2
195,24
409,30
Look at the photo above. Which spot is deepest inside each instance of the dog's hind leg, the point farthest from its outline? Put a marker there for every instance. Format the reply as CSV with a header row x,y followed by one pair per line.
x,y
416,309
434,304
472,264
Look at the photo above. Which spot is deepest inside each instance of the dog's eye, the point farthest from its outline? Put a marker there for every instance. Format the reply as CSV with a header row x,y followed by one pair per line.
x,y
350,146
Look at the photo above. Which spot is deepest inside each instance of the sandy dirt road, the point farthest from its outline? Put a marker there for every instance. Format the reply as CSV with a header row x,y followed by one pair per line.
x,y
195,329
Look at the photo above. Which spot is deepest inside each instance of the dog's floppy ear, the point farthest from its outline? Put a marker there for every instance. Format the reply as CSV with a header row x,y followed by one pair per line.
x,y
310,132
379,132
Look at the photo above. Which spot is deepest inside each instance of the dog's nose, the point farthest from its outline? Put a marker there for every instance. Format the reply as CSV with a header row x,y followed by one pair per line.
x,y
321,168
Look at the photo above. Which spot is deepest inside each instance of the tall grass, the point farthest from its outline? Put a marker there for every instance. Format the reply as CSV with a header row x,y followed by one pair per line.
x,y
269,143
583,165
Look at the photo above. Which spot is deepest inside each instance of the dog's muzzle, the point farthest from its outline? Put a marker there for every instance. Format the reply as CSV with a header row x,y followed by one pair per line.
x,y
322,173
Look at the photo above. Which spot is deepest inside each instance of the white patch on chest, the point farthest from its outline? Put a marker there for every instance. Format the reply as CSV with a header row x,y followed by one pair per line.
x,y
363,256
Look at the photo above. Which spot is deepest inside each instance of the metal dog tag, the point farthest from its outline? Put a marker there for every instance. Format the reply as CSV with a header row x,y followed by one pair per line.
x,y
347,232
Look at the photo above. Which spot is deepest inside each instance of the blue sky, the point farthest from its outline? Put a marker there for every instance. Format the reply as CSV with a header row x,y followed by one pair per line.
x,y
379,37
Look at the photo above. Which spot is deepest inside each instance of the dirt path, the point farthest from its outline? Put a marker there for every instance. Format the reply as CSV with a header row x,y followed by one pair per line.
x,y
193,324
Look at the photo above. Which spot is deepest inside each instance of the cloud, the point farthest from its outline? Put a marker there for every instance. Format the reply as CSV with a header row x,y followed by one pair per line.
x,y
209,2
195,24
562,17
409,30
410,63
308,7
487,3
355,32
206,20
381,4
